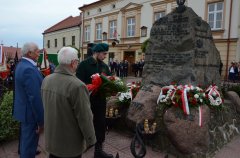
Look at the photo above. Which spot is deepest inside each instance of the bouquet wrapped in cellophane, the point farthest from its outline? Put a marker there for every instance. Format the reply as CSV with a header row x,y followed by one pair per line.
x,y
106,85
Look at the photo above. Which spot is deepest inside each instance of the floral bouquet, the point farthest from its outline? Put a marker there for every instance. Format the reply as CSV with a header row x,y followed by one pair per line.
x,y
190,96
107,85
187,96
126,97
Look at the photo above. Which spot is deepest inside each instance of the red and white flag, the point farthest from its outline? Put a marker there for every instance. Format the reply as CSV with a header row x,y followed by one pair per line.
x,y
115,34
1,55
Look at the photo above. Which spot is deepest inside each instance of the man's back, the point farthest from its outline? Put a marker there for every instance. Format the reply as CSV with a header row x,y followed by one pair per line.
x,y
67,116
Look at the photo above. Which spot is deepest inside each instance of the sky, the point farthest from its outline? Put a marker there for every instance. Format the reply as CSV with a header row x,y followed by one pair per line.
x,y
24,21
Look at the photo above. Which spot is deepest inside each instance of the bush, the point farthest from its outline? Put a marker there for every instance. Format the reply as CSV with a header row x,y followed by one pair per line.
x,y
230,87
8,126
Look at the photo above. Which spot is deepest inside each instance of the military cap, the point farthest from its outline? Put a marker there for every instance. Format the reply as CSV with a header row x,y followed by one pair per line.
x,y
100,47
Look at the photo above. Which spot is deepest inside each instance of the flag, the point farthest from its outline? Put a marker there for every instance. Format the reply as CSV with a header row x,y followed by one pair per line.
x,y
45,62
45,68
1,56
16,58
115,34
4,72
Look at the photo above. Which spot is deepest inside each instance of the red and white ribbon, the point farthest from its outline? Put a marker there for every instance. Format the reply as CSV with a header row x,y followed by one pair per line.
x,y
211,90
185,101
200,115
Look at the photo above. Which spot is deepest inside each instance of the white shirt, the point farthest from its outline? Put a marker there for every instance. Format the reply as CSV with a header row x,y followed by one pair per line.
x,y
31,61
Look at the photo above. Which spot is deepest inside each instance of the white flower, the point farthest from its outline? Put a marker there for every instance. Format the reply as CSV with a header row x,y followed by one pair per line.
x,y
214,94
191,87
204,95
179,87
201,100
171,86
169,91
188,89
198,89
196,96
162,96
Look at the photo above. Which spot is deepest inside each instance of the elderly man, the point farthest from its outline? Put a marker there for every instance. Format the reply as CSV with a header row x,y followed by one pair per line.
x,y
28,108
85,70
68,118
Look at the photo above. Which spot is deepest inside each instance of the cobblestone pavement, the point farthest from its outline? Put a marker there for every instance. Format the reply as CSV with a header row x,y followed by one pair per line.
x,y
115,143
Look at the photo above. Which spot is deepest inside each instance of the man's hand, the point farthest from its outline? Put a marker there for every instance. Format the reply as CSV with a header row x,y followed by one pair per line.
x,y
89,147
39,129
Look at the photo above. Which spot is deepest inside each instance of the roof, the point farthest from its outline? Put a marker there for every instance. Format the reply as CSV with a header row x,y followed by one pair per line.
x,y
87,5
10,52
64,24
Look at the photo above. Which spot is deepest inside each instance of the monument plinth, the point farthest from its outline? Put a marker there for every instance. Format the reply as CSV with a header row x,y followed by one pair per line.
x,y
181,50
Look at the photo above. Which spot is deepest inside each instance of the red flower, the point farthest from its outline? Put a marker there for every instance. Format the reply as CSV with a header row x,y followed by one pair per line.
x,y
133,82
112,78
165,91
96,83
179,92
194,101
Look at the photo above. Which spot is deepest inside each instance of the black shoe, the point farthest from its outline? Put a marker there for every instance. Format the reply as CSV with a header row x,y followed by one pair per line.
x,y
37,152
99,153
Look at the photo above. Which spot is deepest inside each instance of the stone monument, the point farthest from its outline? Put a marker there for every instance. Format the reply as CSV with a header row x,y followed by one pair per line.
x,y
181,50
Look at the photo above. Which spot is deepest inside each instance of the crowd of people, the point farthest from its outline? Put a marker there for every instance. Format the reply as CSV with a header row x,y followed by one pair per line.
x,y
60,104
234,72
121,68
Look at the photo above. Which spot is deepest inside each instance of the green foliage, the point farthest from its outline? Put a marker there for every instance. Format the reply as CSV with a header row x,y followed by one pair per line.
x,y
235,89
144,45
8,126
230,87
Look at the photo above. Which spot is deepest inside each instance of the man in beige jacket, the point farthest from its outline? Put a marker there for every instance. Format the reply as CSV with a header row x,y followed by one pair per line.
x,y
68,118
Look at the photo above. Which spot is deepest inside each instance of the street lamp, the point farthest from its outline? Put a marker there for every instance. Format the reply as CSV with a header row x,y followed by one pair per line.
x,y
104,36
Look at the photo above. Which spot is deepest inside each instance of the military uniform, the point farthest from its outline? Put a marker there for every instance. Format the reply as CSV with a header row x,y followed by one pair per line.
x,y
85,70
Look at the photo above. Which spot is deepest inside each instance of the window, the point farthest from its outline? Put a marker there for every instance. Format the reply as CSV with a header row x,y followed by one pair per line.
x,y
215,15
143,31
55,42
87,33
130,27
48,43
99,10
111,56
158,15
64,41
113,6
98,31
73,40
88,13
113,29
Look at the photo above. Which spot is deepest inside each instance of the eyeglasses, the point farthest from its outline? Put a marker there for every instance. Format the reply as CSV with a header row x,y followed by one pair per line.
x,y
76,60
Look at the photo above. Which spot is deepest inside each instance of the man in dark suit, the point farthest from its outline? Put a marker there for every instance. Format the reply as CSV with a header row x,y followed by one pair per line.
x,y
28,107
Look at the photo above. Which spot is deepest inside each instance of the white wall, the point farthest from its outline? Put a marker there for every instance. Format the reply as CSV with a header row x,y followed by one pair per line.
x,y
67,33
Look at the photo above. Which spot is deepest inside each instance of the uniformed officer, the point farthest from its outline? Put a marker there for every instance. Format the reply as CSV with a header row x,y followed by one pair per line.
x,y
85,70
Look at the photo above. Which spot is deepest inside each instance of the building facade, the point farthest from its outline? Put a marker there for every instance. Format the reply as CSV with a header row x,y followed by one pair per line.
x,y
64,33
126,24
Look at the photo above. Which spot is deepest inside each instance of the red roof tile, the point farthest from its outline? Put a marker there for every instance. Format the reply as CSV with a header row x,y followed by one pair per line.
x,y
64,24
10,52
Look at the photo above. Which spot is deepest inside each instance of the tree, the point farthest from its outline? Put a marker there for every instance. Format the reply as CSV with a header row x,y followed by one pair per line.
x,y
144,45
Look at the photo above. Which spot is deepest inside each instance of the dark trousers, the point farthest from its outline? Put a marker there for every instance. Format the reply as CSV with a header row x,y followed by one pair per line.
x,y
53,156
29,140
99,120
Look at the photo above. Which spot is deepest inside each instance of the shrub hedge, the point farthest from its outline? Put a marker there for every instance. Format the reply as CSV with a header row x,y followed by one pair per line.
x,y
8,126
